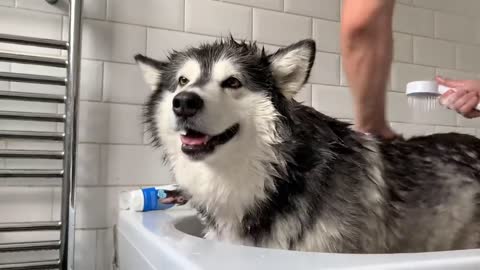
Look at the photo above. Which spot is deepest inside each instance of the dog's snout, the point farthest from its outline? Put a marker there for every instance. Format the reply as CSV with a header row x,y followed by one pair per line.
x,y
187,104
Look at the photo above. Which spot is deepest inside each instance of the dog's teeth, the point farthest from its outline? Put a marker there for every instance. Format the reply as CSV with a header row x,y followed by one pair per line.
x,y
183,132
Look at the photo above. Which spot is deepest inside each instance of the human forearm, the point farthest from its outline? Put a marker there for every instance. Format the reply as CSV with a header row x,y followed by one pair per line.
x,y
367,47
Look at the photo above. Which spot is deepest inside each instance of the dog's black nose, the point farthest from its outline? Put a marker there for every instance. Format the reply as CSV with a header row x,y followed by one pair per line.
x,y
187,104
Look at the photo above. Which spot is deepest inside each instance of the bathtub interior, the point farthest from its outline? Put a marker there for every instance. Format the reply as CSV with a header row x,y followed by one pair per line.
x,y
193,226
190,225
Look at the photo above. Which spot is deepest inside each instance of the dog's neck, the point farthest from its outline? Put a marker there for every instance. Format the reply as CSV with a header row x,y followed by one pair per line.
x,y
236,181
224,192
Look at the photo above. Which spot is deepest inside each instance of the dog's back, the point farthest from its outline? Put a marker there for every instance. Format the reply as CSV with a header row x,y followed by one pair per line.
x,y
434,191
349,194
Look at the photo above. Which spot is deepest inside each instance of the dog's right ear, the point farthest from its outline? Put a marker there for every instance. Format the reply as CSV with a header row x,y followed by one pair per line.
x,y
152,70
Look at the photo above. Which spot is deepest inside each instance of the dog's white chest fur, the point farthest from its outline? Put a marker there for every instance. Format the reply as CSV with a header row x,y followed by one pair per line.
x,y
226,191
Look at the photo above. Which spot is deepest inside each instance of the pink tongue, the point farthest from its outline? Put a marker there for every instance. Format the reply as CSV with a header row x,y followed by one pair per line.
x,y
193,140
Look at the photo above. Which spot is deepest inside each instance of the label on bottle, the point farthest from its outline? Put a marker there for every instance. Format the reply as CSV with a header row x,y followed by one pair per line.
x,y
150,199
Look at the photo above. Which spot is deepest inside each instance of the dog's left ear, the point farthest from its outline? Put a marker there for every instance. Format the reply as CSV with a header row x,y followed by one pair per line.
x,y
152,70
291,66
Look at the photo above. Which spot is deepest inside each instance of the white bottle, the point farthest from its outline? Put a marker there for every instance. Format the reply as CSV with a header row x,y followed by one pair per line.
x,y
145,199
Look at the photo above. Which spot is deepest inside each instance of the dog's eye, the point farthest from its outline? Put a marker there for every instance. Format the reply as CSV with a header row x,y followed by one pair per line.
x,y
182,81
231,82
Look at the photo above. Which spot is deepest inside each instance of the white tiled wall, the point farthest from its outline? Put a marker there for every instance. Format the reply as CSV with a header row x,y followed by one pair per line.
x,y
432,37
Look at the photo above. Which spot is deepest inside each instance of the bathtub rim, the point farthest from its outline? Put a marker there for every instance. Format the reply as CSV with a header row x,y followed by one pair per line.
x,y
155,231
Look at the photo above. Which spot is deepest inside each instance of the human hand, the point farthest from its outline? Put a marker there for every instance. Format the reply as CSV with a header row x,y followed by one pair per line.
x,y
463,97
175,197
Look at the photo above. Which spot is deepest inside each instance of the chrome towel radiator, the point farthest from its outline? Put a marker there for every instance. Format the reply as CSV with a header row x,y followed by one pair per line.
x,y
68,154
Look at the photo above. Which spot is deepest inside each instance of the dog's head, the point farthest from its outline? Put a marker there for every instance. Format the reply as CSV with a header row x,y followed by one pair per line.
x,y
221,96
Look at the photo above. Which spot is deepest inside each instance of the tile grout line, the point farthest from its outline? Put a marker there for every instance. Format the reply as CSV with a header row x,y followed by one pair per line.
x,y
96,248
184,15
252,20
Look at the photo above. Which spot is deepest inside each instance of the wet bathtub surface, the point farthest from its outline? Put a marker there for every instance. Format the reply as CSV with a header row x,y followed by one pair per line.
x,y
166,240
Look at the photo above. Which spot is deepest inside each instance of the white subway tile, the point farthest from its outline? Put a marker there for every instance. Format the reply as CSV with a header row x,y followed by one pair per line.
x,y
413,20
437,116
448,129
20,204
110,123
269,4
433,52
453,27
404,73
97,207
471,123
464,7
223,19
161,42
468,58
343,76
403,47
124,83
29,23
327,9
91,80
304,96
131,165
157,13
91,8
446,5
326,69
476,32
327,35
112,41
397,108
88,169
455,74
8,3
85,249
334,101
399,111
411,130
105,249
280,28
95,9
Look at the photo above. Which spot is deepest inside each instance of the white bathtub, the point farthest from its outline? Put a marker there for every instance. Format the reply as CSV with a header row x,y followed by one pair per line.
x,y
164,240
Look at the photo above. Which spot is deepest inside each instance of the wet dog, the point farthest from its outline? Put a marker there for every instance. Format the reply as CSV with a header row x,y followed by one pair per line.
x,y
265,170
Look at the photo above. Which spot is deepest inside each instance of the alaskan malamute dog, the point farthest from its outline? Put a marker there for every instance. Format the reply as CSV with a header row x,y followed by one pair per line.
x,y
265,170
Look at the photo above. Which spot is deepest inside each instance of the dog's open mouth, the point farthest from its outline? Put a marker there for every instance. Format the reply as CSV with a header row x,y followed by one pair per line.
x,y
197,144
